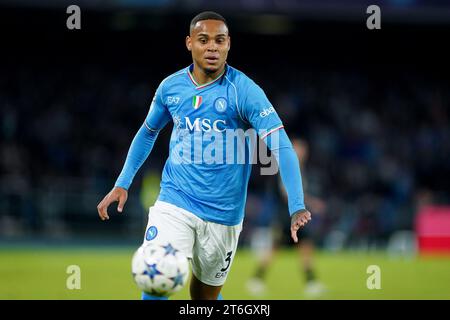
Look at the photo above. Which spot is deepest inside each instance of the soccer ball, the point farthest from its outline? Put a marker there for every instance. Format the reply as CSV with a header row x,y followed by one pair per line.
x,y
159,269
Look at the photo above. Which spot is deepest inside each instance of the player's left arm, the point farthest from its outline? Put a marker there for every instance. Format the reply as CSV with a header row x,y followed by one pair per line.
x,y
262,116
280,145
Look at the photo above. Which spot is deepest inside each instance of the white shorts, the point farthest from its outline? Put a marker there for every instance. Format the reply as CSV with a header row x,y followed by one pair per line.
x,y
210,246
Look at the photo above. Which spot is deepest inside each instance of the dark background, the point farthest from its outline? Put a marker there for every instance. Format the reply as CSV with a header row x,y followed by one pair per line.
x,y
373,106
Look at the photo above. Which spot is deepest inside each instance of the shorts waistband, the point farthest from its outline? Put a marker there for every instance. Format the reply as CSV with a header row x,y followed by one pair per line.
x,y
167,205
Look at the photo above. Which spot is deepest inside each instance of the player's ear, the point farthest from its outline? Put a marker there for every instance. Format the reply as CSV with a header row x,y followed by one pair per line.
x,y
229,43
188,43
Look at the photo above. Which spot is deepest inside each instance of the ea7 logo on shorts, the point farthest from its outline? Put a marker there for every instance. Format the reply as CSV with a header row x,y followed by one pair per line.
x,y
221,274
266,112
151,233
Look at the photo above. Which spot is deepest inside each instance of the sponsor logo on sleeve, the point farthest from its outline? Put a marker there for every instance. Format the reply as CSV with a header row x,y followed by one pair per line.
x,y
266,112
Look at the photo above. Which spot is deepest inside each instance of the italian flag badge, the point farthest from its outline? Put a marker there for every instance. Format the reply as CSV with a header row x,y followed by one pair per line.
x,y
196,101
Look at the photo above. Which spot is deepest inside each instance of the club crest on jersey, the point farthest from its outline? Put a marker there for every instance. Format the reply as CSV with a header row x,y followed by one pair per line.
x,y
197,101
220,105
151,233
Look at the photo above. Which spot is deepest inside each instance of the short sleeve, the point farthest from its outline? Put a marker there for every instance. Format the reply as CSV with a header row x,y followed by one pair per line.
x,y
158,115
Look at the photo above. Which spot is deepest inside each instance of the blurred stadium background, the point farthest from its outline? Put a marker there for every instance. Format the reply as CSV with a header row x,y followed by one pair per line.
x,y
373,106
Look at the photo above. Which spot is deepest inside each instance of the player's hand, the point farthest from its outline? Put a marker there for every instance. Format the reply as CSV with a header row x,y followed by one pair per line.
x,y
299,219
116,194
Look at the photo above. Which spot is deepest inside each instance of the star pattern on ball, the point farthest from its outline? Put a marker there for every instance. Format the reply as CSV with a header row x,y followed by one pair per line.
x,y
177,280
151,271
170,250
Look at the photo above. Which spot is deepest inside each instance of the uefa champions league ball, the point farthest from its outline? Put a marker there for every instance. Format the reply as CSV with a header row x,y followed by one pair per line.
x,y
159,269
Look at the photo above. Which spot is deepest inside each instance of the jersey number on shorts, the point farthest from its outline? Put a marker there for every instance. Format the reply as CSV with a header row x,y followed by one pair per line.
x,y
228,260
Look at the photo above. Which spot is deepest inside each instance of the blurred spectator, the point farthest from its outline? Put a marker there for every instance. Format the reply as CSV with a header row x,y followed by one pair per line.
x,y
266,223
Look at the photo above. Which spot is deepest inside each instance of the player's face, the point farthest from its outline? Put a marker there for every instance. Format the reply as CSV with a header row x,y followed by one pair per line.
x,y
209,43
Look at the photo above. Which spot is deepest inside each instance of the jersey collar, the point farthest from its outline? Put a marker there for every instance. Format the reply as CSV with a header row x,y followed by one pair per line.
x,y
197,86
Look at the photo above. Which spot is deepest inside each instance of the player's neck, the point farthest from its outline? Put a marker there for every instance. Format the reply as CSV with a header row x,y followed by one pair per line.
x,y
201,77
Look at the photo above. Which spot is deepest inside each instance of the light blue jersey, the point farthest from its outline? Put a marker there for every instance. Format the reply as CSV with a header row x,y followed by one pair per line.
x,y
213,190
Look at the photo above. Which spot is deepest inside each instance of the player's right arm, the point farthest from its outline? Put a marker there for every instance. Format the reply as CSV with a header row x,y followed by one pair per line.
x,y
141,146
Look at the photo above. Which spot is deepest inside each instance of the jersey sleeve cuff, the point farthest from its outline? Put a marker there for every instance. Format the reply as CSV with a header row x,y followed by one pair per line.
x,y
122,185
293,211
265,135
